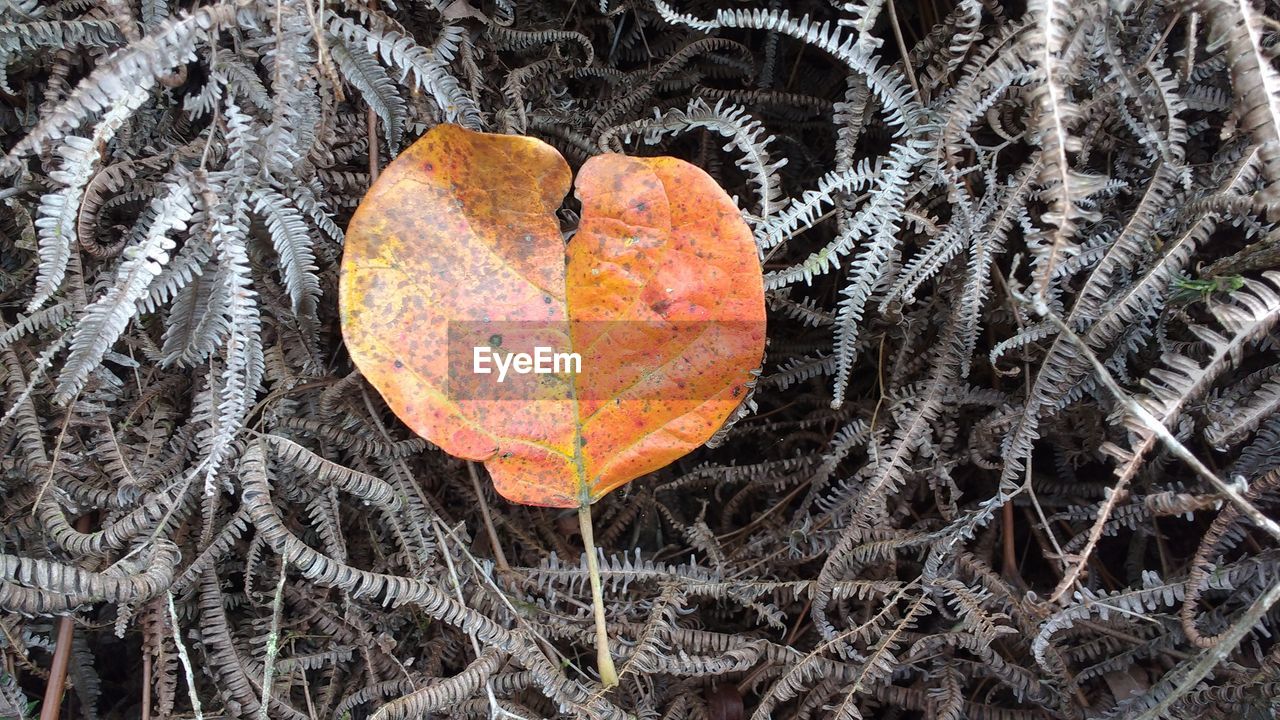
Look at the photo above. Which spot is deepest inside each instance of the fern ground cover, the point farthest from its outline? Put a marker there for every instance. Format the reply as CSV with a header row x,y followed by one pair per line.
x,y
1014,451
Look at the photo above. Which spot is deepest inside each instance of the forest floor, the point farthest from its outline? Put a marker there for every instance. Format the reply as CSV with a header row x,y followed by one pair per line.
x,y
1000,438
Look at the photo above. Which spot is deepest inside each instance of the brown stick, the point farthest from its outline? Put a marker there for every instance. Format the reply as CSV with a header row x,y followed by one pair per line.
x,y
51,708
1010,550
52,705
146,683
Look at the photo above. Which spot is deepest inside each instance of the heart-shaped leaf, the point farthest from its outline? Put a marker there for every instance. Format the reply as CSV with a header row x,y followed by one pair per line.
x,y
457,246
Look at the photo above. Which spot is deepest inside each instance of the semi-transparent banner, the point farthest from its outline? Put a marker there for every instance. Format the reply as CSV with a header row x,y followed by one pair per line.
x,y
589,361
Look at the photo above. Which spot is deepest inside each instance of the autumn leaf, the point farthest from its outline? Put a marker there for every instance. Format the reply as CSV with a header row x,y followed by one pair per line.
x,y
457,245
456,254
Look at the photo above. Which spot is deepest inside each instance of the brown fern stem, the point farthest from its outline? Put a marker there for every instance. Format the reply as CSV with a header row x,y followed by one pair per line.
x,y
146,683
51,708
1010,550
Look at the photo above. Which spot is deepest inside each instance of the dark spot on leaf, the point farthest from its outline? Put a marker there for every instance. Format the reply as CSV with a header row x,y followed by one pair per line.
x,y
495,340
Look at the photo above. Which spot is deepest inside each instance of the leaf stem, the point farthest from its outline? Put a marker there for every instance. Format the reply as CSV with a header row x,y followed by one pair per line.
x,y
604,661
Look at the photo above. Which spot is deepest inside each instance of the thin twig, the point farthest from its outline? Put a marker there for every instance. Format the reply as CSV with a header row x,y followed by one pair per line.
x,y
1149,421
322,50
1027,485
57,452
371,119
1210,658
273,642
499,557
186,660
495,710
902,49
500,594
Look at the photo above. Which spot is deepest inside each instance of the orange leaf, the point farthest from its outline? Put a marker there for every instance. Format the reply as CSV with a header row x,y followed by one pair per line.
x,y
458,246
